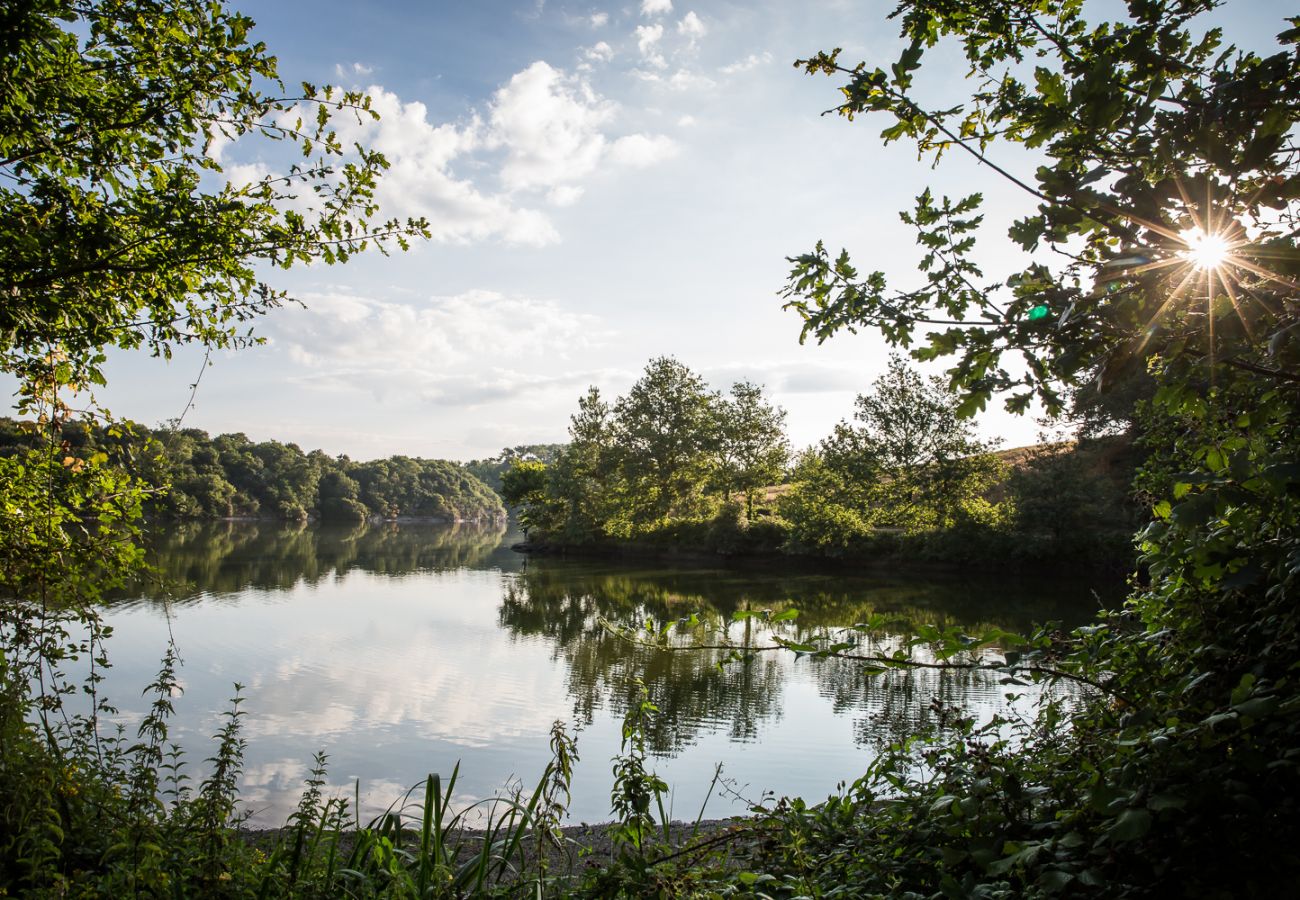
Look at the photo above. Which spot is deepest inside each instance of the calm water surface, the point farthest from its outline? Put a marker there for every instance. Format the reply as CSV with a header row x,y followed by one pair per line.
x,y
400,651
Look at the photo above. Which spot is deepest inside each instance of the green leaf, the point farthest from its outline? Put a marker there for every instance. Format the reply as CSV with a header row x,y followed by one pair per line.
x,y
1164,802
1055,880
1194,512
1130,825
1257,707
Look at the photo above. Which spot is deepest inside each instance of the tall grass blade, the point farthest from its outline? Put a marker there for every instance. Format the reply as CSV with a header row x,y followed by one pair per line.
x,y
426,826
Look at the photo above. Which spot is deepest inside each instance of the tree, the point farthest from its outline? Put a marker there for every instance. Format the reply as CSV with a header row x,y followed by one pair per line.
x,y
752,449
583,476
524,485
1168,188
663,437
1165,208
118,229
914,459
489,471
826,506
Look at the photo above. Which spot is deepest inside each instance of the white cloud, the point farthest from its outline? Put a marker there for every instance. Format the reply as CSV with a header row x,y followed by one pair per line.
x,y
656,7
544,131
686,121
647,40
550,126
647,36
751,61
402,352
685,80
599,20
792,376
641,150
352,70
245,174
600,51
420,180
564,195
691,26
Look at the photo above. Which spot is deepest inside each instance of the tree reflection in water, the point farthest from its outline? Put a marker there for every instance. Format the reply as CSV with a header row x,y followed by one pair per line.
x,y
206,559
573,604
568,603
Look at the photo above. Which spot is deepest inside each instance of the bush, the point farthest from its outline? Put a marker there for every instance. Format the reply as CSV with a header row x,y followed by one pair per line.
x,y
818,527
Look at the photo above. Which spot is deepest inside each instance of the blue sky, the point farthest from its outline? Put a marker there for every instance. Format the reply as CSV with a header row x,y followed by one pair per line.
x,y
606,183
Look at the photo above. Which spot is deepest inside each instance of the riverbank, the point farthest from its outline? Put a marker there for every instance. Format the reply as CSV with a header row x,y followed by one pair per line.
x,y
893,551
576,850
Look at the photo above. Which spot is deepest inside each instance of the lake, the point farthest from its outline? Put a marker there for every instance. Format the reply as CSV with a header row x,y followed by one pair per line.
x,y
403,650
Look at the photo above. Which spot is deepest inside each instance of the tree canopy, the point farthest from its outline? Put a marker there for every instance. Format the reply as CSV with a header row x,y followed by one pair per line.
x,y
663,437
664,451
119,228
752,447
117,225
918,464
1160,172
1156,143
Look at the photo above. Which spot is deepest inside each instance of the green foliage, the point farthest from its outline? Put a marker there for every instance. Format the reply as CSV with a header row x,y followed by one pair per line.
x,y
909,482
656,465
663,432
1073,500
751,444
906,481
113,230
523,482
911,463
491,471
1133,162
193,476
524,485
637,797
1176,772
825,510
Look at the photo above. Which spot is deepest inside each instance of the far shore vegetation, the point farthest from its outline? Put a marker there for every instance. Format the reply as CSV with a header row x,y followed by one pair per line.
x,y
673,467
190,475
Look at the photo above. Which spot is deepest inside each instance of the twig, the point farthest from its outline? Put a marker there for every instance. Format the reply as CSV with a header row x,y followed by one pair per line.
x,y
884,661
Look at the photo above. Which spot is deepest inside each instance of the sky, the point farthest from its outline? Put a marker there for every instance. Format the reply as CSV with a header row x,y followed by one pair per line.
x,y
606,183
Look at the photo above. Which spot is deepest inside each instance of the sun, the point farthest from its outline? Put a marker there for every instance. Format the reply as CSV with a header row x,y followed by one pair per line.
x,y
1205,250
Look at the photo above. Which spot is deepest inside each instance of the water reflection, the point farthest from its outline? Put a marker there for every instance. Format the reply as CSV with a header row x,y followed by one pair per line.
x,y
691,689
194,559
573,604
401,650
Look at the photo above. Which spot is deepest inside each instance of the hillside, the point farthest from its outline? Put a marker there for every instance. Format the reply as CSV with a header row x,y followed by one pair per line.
x,y
203,477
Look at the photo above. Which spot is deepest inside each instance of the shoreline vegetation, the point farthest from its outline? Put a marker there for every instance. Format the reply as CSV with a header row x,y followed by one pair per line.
x,y
894,560
675,471
568,849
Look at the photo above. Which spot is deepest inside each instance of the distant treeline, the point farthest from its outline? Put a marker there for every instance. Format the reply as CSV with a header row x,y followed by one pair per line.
x,y
203,477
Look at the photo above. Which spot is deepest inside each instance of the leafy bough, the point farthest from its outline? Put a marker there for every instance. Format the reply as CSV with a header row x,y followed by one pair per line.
x,y
1046,653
